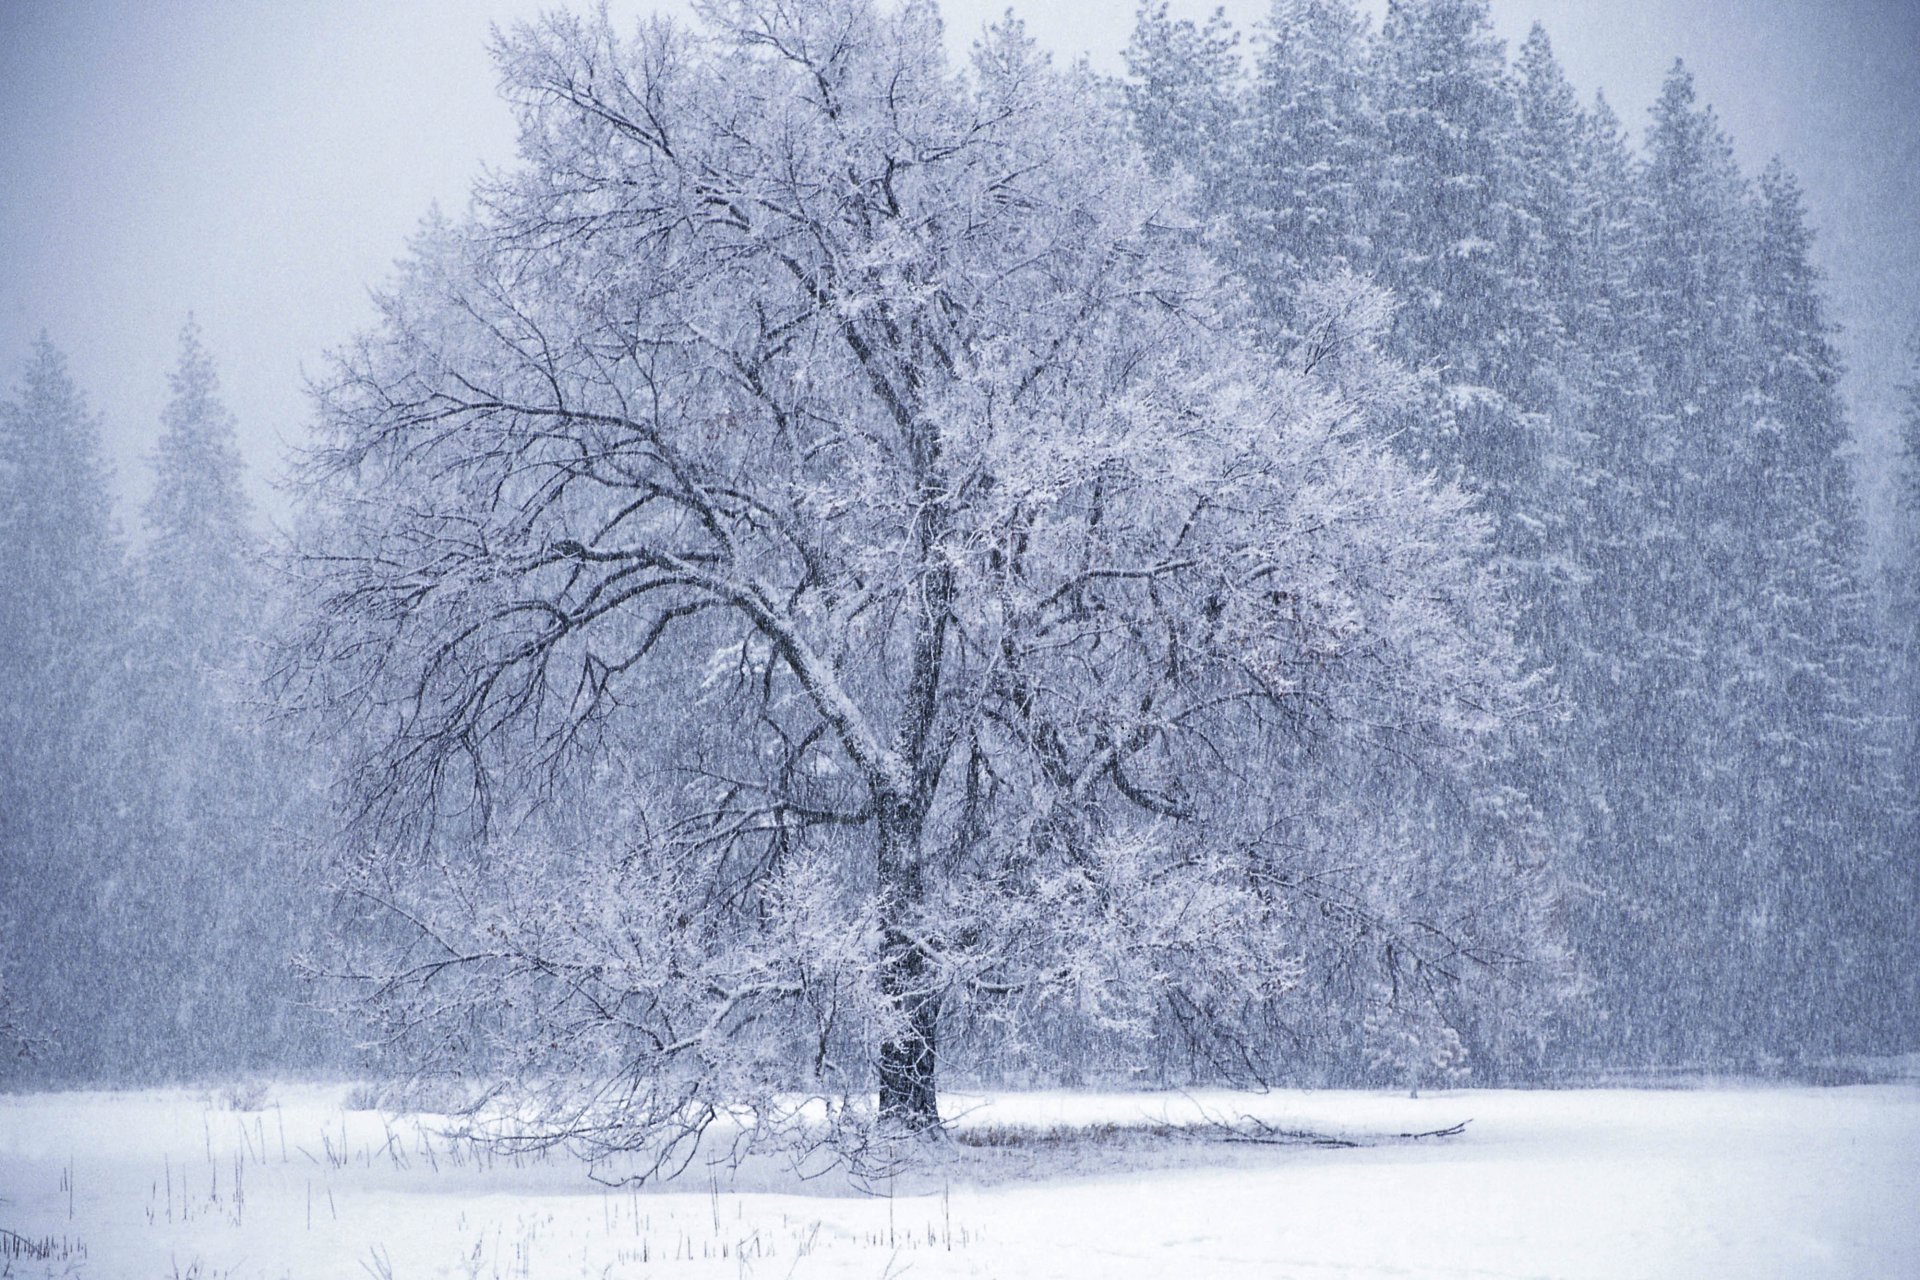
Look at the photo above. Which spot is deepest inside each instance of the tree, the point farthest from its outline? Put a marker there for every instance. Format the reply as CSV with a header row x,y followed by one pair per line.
x,y
1666,931
1627,357
1441,92
1310,166
59,584
200,557
1603,413
1543,234
1903,672
1723,651
1182,95
209,904
1805,662
817,573
147,884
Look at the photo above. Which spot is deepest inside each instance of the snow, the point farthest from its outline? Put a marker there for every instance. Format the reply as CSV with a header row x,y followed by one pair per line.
x,y
1737,1180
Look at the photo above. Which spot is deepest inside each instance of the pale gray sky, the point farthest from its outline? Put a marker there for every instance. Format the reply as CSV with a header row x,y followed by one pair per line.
x,y
261,164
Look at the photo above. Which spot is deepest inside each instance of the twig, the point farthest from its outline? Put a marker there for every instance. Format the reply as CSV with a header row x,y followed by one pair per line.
x,y
1452,1130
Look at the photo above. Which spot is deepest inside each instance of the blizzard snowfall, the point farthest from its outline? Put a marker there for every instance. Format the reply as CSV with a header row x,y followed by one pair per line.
x,y
1733,1181
871,556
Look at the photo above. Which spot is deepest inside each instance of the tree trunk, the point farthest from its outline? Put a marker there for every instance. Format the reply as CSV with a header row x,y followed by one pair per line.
x,y
909,1097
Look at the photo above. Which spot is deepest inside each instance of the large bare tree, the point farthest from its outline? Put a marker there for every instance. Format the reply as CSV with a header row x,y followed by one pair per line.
x,y
815,565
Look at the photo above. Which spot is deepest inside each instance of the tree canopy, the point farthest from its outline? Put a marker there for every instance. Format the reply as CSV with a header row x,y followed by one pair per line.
x,y
817,569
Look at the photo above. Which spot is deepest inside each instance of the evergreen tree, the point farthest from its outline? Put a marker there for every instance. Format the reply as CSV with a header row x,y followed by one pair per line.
x,y
1627,358
1733,840
1690,285
1804,662
1670,793
1447,225
1439,86
1903,730
1602,409
1304,208
150,904
60,572
1182,98
1550,477
1543,227
1907,624
201,555
1572,386
214,898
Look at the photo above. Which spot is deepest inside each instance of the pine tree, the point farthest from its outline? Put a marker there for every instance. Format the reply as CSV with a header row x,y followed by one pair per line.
x,y
1670,793
1303,209
1602,409
1799,623
1387,158
1567,379
1729,649
200,559
1183,100
57,520
1902,734
60,575
214,899
1627,358
1690,277
1906,628
1543,227
140,800
1439,86
1551,477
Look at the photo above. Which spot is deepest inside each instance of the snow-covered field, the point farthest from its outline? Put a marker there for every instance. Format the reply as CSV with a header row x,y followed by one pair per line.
x,y
1739,1182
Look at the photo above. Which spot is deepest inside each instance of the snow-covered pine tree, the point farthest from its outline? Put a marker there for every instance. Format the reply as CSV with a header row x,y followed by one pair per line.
x,y
1390,157
1543,227
1611,365
1903,635
1728,702
1602,412
1901,730
1454,222
1670,791
1439,86
1183,98
1303,207
1546,381
209,907
200,562
1818,785
60,591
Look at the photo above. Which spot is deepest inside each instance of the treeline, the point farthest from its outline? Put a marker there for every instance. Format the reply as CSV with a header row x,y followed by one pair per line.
x,y
152,820
1626,352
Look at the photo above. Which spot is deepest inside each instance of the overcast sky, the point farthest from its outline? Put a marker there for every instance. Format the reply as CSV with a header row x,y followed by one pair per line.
x,y
260,165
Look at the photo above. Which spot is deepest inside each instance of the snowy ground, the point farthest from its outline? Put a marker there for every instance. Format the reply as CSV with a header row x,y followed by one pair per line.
x,y
1741,1181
